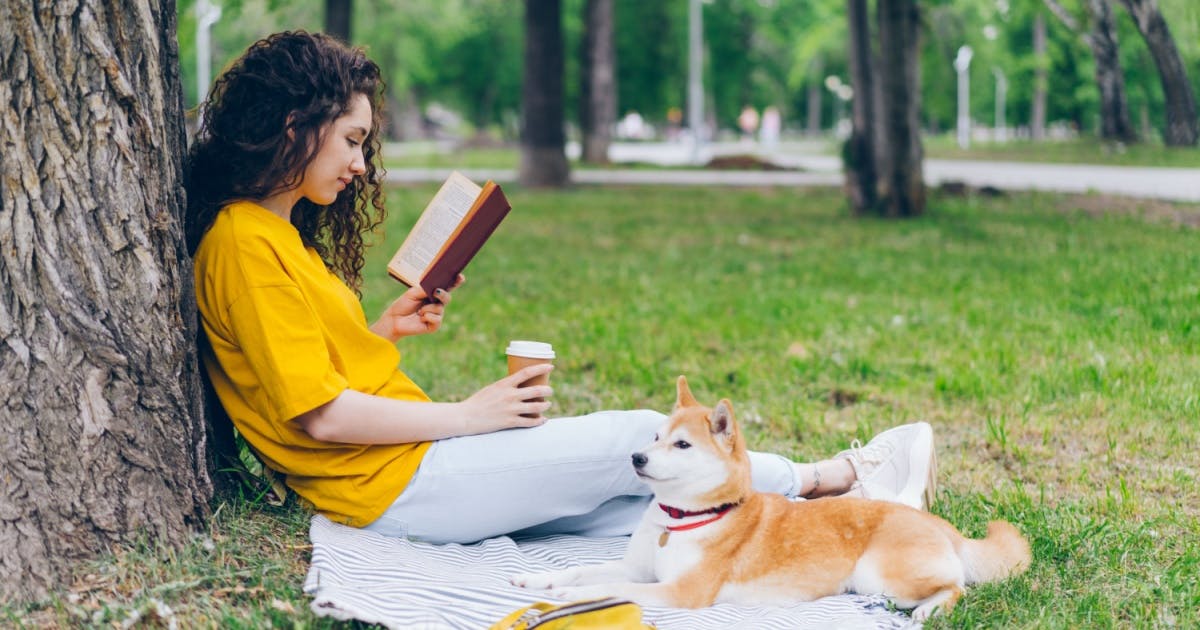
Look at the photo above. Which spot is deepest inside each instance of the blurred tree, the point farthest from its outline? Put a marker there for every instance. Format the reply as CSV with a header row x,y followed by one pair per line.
x,y
811,39
1181,125
902,181
651,55
1037,120
1099,32
1115,123
543,138
337,18
472,60
465,55
858,156
598,93
733,63
103,430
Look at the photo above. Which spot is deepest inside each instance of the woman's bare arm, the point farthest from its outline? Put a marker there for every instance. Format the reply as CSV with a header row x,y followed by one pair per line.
x,y
357,418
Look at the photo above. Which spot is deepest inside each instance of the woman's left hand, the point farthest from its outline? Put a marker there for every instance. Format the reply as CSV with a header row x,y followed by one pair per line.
x,y
413,313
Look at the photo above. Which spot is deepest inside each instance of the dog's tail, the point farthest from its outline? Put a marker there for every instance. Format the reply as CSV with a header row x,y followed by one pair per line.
x,y
1002,553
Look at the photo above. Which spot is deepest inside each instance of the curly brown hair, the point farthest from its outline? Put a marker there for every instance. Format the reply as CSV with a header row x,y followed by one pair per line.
x,y
262,126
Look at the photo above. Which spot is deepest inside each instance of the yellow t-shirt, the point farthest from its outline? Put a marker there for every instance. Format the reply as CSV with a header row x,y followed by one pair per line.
x,y
286,336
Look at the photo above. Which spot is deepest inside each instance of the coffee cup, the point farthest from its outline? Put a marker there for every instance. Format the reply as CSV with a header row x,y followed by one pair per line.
x,y
522,354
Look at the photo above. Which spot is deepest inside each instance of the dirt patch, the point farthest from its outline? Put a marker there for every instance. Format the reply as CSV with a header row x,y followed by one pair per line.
x,y
960,189
842,397
744,162
1186,214
1180,213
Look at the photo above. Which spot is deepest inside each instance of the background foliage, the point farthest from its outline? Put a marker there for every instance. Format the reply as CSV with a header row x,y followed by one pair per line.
x,y
466,55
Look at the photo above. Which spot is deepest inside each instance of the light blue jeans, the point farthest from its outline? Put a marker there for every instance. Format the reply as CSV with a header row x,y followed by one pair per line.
x,y
567,476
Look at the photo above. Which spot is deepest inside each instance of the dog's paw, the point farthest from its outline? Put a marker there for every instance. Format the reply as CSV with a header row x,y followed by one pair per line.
x,y
533,580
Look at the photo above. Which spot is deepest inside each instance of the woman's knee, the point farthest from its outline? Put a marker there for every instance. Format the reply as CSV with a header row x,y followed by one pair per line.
x,y
624,432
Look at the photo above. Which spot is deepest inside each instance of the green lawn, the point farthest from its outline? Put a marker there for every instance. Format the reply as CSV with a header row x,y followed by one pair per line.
x,y
1084,150
417,155
1055,351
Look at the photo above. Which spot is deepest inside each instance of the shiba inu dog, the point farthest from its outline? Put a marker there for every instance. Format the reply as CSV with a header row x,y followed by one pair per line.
x,y
708,538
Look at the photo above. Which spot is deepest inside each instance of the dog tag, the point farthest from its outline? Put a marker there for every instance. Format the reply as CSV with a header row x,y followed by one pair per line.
x,y
662,540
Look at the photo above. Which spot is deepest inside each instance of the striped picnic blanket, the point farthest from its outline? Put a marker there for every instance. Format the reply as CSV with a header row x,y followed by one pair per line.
x,y
398,583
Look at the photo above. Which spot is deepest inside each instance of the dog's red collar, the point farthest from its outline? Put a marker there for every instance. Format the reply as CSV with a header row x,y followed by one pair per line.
x,y
720,511
681,528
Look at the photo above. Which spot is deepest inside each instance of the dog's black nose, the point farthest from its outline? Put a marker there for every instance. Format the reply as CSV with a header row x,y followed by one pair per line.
x,y
639,460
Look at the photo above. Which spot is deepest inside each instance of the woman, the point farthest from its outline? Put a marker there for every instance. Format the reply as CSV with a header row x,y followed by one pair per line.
x,y
282,182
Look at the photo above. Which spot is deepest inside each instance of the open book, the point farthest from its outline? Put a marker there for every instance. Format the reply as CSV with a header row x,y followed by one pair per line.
x,y
455,224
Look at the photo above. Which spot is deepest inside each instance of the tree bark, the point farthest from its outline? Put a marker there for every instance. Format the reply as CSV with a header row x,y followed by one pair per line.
x,y
543,141
1114,106
1037,118
859,152
1101,37
902,181
1182,127
101,398
337,18
598,93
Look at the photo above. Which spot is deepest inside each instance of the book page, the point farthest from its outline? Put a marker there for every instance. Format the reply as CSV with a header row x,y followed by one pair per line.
x,y
436,225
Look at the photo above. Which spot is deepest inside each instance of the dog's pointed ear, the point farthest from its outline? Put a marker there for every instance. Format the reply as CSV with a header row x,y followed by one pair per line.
x,y
685,398
720,421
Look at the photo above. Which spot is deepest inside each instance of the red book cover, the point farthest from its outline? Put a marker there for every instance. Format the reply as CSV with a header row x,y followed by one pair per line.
x,y
490,209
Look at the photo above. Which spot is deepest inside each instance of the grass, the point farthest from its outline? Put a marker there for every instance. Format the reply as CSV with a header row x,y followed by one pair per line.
x,y
1084,150
419,155
1054,348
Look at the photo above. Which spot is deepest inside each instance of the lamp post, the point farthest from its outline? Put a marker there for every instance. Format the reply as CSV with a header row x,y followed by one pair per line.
x,y
1001,94
695,78
833,83
207,14
962,63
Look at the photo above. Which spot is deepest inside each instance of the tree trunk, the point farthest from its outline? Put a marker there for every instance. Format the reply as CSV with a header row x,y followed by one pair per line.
x,y
1037,119
598,93
101,398
858,154
543,142
880,124
337,18
1114,107
1101,37
902,182
1182,129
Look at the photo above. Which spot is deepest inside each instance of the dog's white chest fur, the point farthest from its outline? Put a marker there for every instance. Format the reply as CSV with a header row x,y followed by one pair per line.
x,y
681,552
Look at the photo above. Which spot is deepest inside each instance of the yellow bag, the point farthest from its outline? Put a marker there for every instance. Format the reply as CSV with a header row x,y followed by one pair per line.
x,y
593,614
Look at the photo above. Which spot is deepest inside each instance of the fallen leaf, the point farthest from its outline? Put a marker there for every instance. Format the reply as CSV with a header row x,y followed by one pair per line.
x,y
798,350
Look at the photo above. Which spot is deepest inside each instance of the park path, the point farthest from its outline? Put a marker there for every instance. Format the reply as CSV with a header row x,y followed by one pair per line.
x,y
1168,184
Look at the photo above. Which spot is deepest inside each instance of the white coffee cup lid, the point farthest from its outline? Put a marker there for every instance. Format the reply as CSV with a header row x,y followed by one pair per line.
x,y
530,349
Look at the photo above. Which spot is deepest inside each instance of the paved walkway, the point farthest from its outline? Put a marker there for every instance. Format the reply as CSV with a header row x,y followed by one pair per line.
x,y
1171,184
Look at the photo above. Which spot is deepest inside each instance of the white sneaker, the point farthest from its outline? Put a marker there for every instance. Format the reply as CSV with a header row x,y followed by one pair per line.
x,y
897,465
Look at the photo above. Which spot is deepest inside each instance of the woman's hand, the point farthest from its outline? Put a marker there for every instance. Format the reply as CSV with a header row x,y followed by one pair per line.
x,y
505,405
413,313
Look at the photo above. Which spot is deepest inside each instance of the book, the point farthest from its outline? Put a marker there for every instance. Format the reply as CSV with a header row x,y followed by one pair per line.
x,y
448,234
